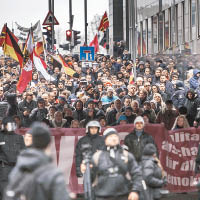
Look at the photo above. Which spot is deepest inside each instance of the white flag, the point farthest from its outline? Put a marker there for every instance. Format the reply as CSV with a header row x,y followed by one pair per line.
x,y
41,66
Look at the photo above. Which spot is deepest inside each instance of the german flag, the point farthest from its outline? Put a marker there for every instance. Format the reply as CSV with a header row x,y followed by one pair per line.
x,y
3,36
11,48
68,70
104,24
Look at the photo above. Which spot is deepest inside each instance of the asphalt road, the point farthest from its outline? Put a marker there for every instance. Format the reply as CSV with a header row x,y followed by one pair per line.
x,y
182,196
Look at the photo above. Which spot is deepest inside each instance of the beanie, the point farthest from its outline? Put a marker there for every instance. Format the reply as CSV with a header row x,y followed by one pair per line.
x,y
149,149
109,131
138,119
41,135
119,90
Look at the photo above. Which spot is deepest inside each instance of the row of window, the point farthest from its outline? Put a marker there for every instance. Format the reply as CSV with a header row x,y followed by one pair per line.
x,y
177,25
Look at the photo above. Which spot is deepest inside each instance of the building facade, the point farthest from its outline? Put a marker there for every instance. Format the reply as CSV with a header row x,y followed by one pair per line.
x,y
161,26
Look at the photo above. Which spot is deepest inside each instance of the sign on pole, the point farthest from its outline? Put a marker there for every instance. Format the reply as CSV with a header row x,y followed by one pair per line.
x,y
87,53
49,19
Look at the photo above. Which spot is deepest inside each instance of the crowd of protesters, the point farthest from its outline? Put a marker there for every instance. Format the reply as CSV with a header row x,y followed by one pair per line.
x,y
166,90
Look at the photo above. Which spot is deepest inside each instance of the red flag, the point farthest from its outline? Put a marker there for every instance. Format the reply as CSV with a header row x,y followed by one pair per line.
x,y
104,24
26,75
3,35
95,43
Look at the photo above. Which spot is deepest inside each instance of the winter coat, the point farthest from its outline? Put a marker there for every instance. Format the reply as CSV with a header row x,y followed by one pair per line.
x,y
178,98
169,89
168,117
111,117
97,143
136,144
110,173
50,183
152,175
191,105
24,104
194,81
38,114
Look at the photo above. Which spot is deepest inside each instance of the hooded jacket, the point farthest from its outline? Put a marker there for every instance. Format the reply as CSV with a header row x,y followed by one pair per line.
x,y
50,183
194,83
79,114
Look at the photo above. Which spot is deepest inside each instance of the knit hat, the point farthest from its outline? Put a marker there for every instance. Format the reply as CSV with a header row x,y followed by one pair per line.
x,y
41,135
139,119
149,149
62,98
109,131
110,89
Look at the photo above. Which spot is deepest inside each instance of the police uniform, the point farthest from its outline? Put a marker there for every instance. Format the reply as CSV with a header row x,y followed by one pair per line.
x,y
10,146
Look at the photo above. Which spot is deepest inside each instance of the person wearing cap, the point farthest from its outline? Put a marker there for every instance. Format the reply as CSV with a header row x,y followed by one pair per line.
x,y
153,173
92,138
138,139
28,102
49,182
10,146
110,167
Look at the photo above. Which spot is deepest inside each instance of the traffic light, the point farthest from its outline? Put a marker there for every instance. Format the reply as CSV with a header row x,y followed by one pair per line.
x,y
48,33
65,46
68,35
76,37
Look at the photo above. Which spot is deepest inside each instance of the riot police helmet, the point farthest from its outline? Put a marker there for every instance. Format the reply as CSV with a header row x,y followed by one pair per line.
x,y
93,123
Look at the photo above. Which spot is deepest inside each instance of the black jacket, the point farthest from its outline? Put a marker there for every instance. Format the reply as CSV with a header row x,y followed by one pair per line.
x,y
110,173
97,143
11,146
152,175
136,144
24,104
50,183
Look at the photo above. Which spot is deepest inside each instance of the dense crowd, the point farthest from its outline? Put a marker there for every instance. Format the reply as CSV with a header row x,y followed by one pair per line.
x,y
166,90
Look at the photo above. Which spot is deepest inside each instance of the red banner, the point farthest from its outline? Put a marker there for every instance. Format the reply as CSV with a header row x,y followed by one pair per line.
x,y
177,152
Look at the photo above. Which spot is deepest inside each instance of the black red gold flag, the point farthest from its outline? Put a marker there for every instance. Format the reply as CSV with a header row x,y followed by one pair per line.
x,y
104,24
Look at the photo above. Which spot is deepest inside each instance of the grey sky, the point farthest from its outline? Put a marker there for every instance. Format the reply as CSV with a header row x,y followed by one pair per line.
x,y
25,12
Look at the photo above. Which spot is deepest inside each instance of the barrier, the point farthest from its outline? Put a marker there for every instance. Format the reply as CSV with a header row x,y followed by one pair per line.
x,y
177,151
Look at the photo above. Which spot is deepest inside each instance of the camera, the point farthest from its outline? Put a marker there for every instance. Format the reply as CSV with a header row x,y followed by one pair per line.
x,y
86,150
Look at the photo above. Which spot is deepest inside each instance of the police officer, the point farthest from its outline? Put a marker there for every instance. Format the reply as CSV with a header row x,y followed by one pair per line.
x,y
10,146
92,138
110,168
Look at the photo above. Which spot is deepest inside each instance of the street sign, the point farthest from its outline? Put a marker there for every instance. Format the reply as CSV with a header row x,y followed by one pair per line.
x,y
87,64
87,53
49,19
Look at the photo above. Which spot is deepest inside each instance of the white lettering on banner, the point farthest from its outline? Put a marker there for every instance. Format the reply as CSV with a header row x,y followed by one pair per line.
x,y
171,163
184,151
182,137
182,181
188,165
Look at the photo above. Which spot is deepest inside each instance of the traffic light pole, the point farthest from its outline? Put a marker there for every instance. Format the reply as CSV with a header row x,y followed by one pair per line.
x,y
52,45
85,8
70,20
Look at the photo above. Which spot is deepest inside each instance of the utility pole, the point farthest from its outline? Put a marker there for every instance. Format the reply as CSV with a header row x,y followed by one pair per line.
x,y
85,8
70,21
49,5
133,32
53,25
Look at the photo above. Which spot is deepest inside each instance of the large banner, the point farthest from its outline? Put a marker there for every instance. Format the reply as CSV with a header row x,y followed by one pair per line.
x,y
177,152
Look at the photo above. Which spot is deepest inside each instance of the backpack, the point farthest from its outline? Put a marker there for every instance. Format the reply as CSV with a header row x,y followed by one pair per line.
x,y
23,186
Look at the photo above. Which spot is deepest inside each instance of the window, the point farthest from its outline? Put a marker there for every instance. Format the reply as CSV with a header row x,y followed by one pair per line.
x,y
149,35
155,34
160,32
166,30
192,19
176,24
179,24
144,38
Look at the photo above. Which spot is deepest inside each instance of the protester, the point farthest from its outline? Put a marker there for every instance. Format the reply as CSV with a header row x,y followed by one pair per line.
x,y
111,166
138,139
34,173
